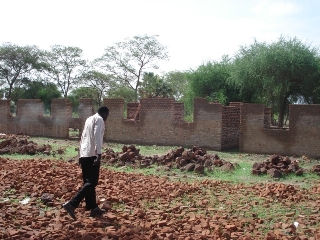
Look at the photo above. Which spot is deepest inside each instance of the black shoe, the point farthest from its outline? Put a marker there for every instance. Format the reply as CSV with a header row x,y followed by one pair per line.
x,y
70,209
97,212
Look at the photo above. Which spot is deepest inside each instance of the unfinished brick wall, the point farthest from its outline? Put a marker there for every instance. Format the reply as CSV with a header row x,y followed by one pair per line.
x,y
267,118
85,110
133,110
178,112
301,138
4,116
161,122
30,118
158,123
230,126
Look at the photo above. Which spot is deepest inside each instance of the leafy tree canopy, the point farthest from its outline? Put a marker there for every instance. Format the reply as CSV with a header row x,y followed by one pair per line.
x,y
120,91
276,73
179,83
210,80
83,92
128,60
17,63
154,86
98,81
64,66
29,89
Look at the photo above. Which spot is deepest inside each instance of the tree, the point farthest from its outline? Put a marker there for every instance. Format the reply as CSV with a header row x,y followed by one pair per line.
x,y
276,73
154,86
17,63
28,89
64,66
210,80
311,94
129,59
179,83
120,91
83,92
98,81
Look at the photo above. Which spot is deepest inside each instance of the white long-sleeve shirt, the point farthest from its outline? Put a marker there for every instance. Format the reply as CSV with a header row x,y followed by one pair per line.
x,y
92,136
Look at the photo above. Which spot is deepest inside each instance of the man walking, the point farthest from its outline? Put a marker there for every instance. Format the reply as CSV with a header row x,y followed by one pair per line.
x,y
89,159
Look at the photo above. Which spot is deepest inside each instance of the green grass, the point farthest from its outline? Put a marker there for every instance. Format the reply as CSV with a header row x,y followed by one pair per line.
x,y
74,133
242,174
144,149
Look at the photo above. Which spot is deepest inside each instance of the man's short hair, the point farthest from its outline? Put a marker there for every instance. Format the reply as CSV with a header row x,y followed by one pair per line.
x,y
103,109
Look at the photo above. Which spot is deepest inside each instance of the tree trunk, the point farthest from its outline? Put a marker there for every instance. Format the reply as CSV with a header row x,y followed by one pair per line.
x,y
10,91
136,94
136,91
282,110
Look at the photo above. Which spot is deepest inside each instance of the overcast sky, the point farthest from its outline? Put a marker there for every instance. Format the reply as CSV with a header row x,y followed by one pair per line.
x,y
194,31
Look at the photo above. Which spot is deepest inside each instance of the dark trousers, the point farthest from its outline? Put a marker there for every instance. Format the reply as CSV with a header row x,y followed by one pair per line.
x,y
90,175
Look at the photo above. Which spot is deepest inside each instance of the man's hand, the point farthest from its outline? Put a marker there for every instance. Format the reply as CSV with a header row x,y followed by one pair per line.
x,y
97,161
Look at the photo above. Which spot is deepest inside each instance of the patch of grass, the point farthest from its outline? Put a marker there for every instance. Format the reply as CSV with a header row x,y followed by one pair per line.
x,y
9,195
74,133
144,150
56,144
242,174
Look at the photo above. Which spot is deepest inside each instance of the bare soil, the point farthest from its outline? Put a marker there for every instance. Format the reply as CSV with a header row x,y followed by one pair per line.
x,y
149,207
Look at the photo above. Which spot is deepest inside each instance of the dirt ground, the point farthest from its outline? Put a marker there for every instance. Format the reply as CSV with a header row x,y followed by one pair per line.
x,y
148,207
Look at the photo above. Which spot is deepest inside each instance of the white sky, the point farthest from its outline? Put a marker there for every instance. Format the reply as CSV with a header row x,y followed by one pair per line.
x,y
194,31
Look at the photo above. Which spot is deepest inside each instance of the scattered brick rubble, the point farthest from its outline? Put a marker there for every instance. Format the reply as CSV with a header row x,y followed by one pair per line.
x,y
19,143
316,169
146,207
276,166
190,160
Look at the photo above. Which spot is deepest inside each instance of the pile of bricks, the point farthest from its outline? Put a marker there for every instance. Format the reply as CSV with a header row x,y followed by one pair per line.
x,y
195,159
19,143
316,169
276,166
127,156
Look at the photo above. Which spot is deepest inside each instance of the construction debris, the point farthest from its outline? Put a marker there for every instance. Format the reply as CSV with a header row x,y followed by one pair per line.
x,y
19,143
148,207
276,166
195,159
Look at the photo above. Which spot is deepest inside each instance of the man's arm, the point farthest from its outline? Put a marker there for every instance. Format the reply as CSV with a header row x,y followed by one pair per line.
x,y
98,138
98,135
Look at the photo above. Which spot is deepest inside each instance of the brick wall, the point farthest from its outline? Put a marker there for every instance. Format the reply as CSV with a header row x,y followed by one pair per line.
x,y
85,111
4,116
301,138
161,122
133,110
178,112
267,118
30,119
230,126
